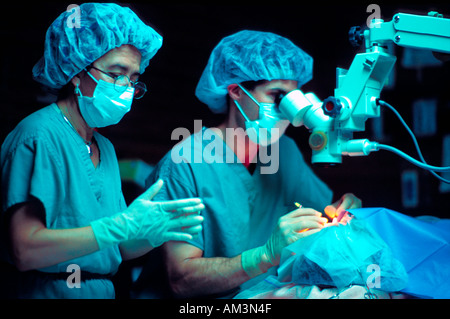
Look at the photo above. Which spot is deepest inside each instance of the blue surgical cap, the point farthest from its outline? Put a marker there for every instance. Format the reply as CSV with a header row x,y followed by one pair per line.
x,y
102,27
251,56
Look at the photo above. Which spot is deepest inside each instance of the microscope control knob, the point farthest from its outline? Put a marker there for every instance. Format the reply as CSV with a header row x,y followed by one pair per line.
x,y
356,36
332,106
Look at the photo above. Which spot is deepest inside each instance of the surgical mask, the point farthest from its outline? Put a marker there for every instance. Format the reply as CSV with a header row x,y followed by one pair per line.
x,y
270,125
107,106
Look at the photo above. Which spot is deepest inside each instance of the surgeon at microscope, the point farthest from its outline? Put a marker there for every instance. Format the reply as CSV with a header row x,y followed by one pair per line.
x,y
62,202
249,216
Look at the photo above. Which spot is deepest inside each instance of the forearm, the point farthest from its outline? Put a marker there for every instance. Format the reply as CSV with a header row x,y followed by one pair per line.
x,y
33,246
192,275
134,248
48,247
207,276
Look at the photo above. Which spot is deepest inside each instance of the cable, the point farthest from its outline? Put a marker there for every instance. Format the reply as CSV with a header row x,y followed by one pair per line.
x,y
413,160
416,144
423,163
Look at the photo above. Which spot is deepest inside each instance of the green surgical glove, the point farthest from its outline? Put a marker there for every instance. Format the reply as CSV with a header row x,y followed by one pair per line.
x,y
290,228
158,222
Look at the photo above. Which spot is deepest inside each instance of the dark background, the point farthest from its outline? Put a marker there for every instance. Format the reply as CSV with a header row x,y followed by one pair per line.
x,y
190,33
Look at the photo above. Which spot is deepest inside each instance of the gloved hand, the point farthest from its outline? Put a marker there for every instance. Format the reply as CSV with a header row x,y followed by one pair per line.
x,y
158,222
291,227
348,201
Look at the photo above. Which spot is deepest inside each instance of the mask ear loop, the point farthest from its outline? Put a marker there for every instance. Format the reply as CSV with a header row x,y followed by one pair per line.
x,y
277,112
249,95
239,106
240,110
77,90
92,77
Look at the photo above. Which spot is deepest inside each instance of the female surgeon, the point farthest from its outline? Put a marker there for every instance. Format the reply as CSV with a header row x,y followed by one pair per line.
x,y
63,208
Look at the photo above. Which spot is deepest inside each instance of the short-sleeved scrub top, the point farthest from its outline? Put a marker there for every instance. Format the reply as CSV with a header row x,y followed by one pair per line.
x,y
44,159
242,208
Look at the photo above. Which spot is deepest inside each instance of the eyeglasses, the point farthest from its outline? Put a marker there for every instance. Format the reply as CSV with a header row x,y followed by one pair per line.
x,y
122,82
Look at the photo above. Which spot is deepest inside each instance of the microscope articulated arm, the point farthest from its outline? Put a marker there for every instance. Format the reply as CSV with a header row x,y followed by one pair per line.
x,y
333,121
430,32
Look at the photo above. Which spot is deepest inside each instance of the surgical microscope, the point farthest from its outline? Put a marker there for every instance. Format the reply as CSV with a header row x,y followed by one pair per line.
x,y
333,121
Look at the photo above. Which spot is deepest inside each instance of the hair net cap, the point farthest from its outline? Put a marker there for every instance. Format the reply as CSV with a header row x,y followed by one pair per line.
x,y
251,56
102,27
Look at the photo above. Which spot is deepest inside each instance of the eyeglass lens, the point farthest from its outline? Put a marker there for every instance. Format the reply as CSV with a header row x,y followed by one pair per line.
x,y
122,83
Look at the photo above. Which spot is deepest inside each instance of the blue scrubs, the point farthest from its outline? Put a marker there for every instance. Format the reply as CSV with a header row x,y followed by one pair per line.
x,y
44,159
242,209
